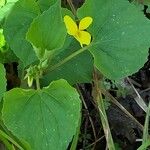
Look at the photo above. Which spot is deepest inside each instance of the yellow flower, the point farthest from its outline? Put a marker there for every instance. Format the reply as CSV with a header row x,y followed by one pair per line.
x,y
78,31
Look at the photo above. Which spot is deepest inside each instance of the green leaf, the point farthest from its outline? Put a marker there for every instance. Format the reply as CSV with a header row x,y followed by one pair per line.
x,y
16,26
48,31
6,8
2,3
120,36
2,81
77,70
45,4
2,39
46,119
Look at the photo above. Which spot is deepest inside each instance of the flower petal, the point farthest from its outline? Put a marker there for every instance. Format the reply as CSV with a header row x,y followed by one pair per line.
x,y
71,26
85,22
83,37
30,81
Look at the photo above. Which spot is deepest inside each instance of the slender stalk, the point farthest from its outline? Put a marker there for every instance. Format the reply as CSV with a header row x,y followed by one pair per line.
x,y
138,99
6,143
4,135
100,103
68,58
85,106
95,142
88,113
72,7
114,101
144,146
76,137
37,83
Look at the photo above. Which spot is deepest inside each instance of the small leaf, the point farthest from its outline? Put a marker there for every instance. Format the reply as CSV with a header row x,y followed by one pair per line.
x,y
16,26
120,36
46,119
47,31
2,81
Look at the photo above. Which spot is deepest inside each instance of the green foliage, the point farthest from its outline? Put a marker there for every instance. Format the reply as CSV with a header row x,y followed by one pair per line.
x,y
44,5
7,57
2,3
118,46
2,81
36,38
75,70
16,26
145,145
2,39
46,118
45,33
7,6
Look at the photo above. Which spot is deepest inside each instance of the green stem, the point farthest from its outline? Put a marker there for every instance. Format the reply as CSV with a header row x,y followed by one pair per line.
x,y
76,137
37,83
68,58
4,135
6,143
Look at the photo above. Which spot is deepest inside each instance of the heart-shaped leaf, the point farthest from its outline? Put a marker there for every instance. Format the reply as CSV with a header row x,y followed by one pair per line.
x,y
121,36
46,119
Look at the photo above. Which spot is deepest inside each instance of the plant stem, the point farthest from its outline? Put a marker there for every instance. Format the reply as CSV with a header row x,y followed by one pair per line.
x,y
72,7
88,113
100,104
139,100
6,143
4,135
76,136
94,143
68,58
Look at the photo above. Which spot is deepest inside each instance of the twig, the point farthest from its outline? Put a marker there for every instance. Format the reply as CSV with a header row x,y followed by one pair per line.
x,y
114,101
97,95
138,99
134,82
72,7
86,108
85,132
94,143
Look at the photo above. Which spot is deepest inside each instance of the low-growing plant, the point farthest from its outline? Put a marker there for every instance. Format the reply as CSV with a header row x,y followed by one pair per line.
x,y
56,48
